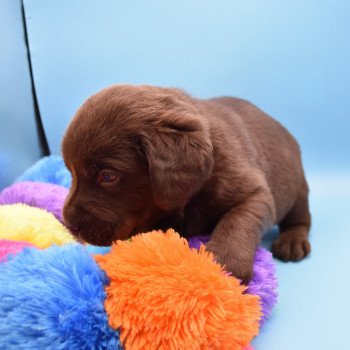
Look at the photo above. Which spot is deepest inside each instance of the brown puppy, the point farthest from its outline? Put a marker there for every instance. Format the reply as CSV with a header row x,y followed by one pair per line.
x,y
144,158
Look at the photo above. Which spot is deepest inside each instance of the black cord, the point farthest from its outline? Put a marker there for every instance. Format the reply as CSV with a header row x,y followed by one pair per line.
x,y
45,150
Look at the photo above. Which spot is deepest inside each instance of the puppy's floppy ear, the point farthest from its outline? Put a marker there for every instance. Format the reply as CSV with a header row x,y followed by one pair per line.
x,y
180,158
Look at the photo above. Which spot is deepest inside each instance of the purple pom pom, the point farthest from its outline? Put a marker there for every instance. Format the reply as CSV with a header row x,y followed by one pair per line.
x,y
264,282
197,241
36,194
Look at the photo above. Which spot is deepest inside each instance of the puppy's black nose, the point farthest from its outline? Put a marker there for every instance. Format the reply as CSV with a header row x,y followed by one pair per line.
x,y
74,228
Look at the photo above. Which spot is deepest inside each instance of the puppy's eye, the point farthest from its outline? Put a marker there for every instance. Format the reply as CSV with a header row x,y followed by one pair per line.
x,y
107,176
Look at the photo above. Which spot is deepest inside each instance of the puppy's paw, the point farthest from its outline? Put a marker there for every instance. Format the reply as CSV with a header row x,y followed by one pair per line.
x,y
241,267
289,247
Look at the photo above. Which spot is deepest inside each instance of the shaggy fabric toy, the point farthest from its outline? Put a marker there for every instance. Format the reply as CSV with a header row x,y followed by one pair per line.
x,y
9,248
53,299
161,293
165,295
19,222
264,282
49,169
36,194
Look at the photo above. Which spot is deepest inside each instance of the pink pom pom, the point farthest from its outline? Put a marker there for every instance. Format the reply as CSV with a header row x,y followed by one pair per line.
x,y
11,248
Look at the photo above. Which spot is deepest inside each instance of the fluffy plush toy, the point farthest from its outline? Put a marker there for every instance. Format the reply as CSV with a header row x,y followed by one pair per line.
x,y
36,194
19,222
161,294
263,283
165,295
49,169
8,248
53,299
156,291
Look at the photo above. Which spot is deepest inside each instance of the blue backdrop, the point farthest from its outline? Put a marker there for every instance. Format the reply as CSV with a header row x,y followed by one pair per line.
x,y
290,58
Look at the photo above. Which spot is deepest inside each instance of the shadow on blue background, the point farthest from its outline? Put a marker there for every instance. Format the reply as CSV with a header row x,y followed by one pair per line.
x,y
19,143
292,60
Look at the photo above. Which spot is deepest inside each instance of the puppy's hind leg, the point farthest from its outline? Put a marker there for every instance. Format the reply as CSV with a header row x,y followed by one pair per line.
x,y
292,243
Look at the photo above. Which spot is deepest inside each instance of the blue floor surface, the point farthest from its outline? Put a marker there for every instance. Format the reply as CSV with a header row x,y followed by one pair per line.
x,y
314,304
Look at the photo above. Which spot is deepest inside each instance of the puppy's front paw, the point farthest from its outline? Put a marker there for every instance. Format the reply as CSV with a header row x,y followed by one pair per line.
x,y
289,247
241,267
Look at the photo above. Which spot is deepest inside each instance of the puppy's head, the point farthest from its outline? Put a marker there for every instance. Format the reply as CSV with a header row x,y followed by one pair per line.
x,y
135,153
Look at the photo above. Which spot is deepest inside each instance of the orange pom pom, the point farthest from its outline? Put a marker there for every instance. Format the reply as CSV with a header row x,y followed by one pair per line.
x,y
165,295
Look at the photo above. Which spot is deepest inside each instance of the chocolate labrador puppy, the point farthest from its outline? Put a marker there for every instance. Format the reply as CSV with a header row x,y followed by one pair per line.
x,y
145,158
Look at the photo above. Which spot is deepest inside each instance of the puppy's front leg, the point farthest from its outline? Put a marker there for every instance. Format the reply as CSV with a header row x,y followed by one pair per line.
x,y
237,234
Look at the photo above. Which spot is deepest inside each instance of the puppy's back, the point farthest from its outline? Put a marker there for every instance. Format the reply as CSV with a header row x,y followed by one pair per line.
x,y
277,152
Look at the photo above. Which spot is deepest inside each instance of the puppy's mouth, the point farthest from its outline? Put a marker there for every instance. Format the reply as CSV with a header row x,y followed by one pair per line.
x,y
125,233
100,240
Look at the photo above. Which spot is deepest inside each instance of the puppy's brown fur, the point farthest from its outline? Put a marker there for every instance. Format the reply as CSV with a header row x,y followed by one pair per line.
x,y
218,166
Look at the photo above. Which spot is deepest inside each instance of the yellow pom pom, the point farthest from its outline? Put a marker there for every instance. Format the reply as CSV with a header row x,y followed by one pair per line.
x,y
20,222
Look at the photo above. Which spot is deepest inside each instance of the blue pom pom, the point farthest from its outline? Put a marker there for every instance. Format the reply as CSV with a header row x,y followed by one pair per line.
x,y
54,299
93,249
49,169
